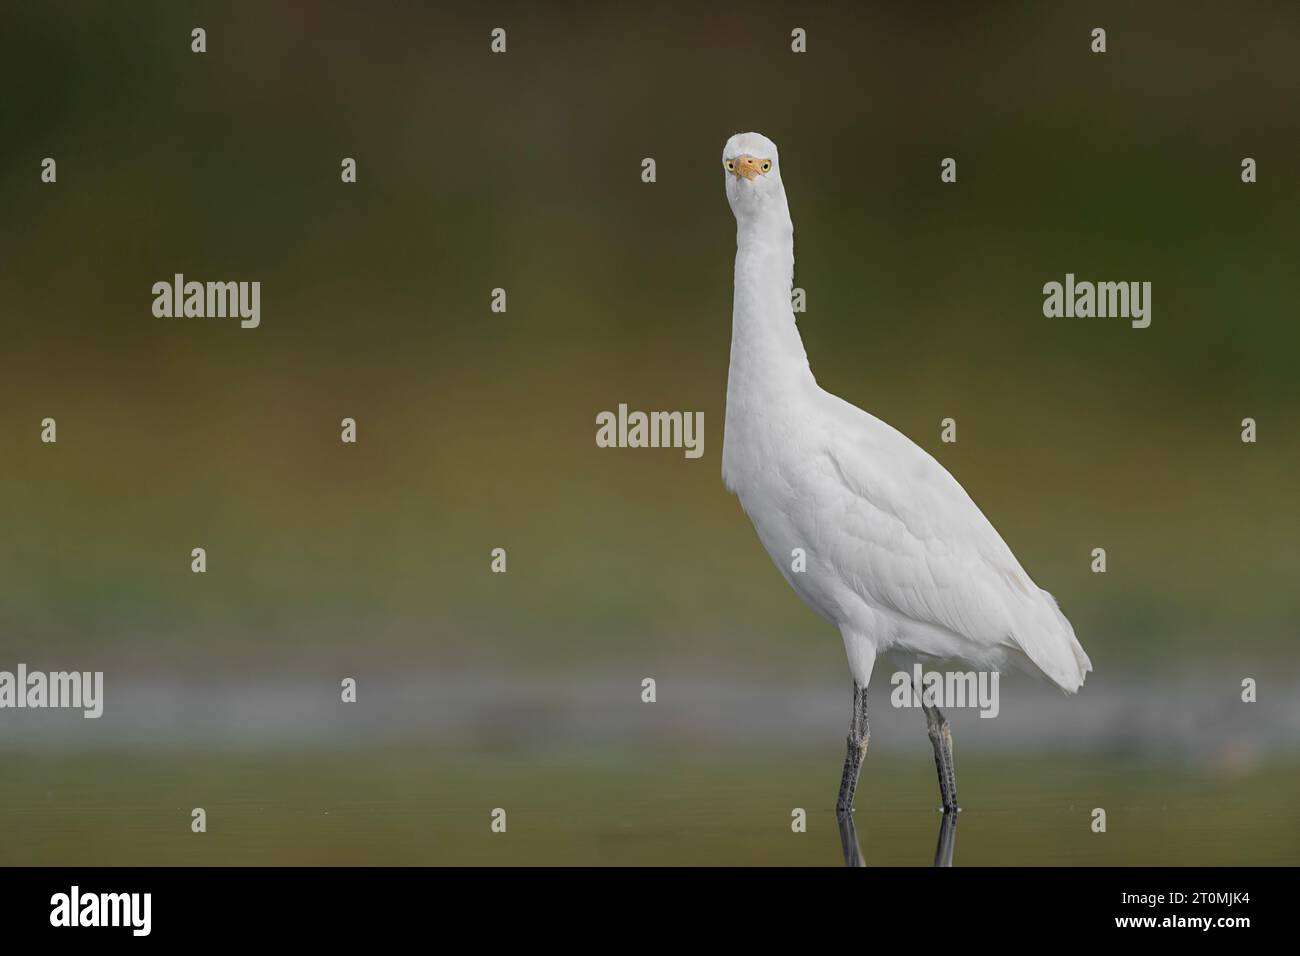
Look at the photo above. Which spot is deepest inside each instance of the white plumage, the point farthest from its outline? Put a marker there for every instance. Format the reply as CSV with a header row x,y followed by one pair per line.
x,y
898,556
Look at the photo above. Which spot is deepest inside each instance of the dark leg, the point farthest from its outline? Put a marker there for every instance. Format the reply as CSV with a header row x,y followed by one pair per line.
x,y
859,734
947,840
849,840
941,738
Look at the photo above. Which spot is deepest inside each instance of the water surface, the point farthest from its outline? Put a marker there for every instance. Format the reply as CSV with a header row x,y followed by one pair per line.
x,y
646,807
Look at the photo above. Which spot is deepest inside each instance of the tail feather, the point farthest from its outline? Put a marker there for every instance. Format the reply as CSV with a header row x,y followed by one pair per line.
x,y
1050,643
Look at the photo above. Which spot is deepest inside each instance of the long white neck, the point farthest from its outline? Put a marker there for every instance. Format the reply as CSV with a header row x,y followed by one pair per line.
x,y
769,371
767,355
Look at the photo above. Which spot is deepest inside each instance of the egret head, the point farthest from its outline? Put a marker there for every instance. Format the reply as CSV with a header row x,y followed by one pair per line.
x,y
751,173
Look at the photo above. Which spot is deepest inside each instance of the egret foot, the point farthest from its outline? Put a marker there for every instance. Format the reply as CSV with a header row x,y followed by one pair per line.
x,y
859,734
947,839
849,840
941,739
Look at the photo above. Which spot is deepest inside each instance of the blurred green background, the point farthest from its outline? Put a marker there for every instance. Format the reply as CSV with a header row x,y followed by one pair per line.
x,y
476,430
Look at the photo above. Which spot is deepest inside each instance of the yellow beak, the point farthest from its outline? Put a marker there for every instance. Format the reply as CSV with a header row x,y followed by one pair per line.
x,y
748,166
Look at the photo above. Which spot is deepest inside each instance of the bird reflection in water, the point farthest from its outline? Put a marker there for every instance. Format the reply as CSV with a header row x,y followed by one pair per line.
x,y
853,851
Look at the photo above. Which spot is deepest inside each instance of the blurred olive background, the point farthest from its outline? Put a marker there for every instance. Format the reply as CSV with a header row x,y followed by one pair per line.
x,y
476,430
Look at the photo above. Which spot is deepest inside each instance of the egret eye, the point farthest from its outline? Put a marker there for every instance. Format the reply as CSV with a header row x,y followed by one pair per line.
x,y
730,164
767,166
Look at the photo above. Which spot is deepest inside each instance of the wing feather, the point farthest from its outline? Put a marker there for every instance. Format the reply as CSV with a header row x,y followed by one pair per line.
x,y
910,540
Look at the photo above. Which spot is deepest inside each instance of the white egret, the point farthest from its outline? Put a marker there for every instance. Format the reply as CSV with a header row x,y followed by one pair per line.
x,y
897,556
